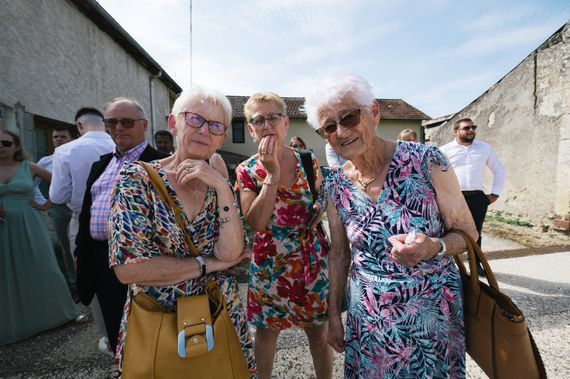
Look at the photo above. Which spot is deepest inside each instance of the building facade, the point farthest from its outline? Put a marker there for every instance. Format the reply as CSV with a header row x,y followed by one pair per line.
x,y
60,55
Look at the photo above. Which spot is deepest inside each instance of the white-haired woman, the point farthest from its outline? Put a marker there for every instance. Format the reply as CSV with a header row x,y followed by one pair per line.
x,y
147,246
391,205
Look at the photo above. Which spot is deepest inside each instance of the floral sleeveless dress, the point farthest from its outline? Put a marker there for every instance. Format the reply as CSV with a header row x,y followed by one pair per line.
x,y
288,283
142,226
401,323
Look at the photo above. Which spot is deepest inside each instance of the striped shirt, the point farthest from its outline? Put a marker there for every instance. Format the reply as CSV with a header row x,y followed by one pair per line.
x,y
102,191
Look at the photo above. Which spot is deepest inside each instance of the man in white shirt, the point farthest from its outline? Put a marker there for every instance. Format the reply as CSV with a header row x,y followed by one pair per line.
x,y
469,158
72,162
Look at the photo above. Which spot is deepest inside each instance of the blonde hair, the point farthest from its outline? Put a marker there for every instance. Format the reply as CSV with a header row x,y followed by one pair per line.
x,y
263,97
408,135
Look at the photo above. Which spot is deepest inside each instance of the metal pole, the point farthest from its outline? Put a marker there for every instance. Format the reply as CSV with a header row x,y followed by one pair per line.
x,y
190,43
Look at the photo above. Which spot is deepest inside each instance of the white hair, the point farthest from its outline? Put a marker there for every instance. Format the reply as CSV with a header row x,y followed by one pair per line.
x,y
333,90
197,94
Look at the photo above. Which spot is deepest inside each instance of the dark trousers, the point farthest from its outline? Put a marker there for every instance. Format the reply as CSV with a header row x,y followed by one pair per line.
x,y
477,202
111,293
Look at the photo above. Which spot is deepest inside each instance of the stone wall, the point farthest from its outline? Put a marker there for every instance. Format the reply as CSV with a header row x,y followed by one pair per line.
x,y
55,60
525,118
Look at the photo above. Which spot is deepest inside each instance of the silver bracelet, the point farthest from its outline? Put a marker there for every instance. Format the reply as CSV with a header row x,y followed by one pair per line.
x,y
224,220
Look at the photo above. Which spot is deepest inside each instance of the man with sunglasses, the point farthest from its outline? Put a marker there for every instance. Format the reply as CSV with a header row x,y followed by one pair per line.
x,y
126,122
469,158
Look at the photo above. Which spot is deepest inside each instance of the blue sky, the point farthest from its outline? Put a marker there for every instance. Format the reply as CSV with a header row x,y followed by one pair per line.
x,y
437,55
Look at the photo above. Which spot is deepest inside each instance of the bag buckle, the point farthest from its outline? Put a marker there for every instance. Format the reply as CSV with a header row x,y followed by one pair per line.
x,y
182,340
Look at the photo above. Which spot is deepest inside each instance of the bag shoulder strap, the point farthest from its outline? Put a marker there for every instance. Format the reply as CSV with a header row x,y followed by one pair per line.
x,y
160,188
307,163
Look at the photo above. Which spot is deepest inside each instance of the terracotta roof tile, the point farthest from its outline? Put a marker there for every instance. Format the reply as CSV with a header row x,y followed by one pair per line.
x,y
390,109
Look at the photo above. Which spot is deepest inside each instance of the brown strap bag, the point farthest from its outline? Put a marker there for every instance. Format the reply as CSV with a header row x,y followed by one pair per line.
x,y
496,333
197,341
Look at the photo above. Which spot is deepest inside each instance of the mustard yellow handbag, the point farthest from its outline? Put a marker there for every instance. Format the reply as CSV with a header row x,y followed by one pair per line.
x,y
496,334
198,340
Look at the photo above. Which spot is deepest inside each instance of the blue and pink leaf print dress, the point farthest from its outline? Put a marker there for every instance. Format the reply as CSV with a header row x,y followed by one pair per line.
x,y
402,323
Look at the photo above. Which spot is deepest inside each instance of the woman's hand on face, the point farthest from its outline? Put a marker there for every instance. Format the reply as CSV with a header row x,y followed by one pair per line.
x,y
191,169
267,154
409,255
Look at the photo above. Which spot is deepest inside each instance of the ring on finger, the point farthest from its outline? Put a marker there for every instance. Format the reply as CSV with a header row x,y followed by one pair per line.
x,y
188,169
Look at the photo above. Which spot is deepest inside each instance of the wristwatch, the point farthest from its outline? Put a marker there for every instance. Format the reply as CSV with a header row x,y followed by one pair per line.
x,y
202,263
441,253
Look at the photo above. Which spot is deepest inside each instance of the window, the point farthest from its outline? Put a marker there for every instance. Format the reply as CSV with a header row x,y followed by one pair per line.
x,y
238,131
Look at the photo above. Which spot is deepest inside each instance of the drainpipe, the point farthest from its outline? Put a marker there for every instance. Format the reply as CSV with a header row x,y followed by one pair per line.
x,y
151,97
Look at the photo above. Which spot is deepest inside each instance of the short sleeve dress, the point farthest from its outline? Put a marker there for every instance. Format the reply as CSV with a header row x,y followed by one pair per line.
x,y
142,226
401,323
288,284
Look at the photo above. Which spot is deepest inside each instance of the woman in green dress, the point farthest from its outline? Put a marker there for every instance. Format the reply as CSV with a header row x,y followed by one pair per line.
x,y
33,293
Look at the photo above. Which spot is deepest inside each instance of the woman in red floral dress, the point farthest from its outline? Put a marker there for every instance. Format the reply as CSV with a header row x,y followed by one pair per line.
x,y
289,272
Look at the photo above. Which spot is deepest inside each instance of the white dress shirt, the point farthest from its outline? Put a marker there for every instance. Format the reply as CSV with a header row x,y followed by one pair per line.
x,y
333,159
71,165
469,163
47,163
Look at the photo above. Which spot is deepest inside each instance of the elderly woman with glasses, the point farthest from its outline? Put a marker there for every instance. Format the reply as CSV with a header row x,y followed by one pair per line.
x,y
288,272
392,205
147,246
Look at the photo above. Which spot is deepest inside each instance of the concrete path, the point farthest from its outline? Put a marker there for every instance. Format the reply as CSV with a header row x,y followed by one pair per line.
x,y
539,285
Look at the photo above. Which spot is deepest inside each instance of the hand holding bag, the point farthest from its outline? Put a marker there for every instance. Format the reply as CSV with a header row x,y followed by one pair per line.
x,y
496,334
197,341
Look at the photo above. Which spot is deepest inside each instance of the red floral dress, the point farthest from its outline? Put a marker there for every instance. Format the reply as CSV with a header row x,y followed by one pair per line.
x,y
288,283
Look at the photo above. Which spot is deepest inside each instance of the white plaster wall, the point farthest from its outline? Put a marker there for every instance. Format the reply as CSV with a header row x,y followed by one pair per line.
x,y
54,60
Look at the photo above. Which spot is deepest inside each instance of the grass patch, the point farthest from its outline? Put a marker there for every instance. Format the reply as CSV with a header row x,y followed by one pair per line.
x,y
511,220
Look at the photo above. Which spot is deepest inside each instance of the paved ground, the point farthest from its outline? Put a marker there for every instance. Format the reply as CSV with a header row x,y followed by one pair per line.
x,y
539,284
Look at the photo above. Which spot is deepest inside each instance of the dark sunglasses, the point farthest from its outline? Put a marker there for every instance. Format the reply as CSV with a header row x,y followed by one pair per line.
x,y
196,121
349,120
298,146
127,123
466,128
6,143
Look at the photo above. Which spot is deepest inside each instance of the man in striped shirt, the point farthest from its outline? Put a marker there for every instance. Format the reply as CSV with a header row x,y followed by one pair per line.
x,y
126,122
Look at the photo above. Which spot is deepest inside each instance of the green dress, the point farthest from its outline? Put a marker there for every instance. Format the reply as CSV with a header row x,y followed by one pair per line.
x,y
33,293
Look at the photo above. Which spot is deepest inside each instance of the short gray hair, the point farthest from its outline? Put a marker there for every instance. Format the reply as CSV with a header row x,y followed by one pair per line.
x,y
333,90
197,94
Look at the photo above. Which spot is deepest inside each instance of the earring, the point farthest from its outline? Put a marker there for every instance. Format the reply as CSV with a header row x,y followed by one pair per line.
x,y
255,140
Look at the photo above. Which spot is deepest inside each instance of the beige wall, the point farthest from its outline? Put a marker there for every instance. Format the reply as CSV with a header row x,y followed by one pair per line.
x,y
54,60
526,118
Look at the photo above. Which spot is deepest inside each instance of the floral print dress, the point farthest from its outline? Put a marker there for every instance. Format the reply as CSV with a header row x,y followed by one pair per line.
x,y
401,323
288,283
142,226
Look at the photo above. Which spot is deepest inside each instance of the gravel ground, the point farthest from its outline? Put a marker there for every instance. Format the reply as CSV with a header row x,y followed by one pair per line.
x,y
539,285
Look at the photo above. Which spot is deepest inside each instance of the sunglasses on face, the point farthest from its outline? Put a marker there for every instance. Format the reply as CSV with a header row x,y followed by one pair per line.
x,y
296,146
349,120
196,121
272,119
6,143
128,123
470,127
